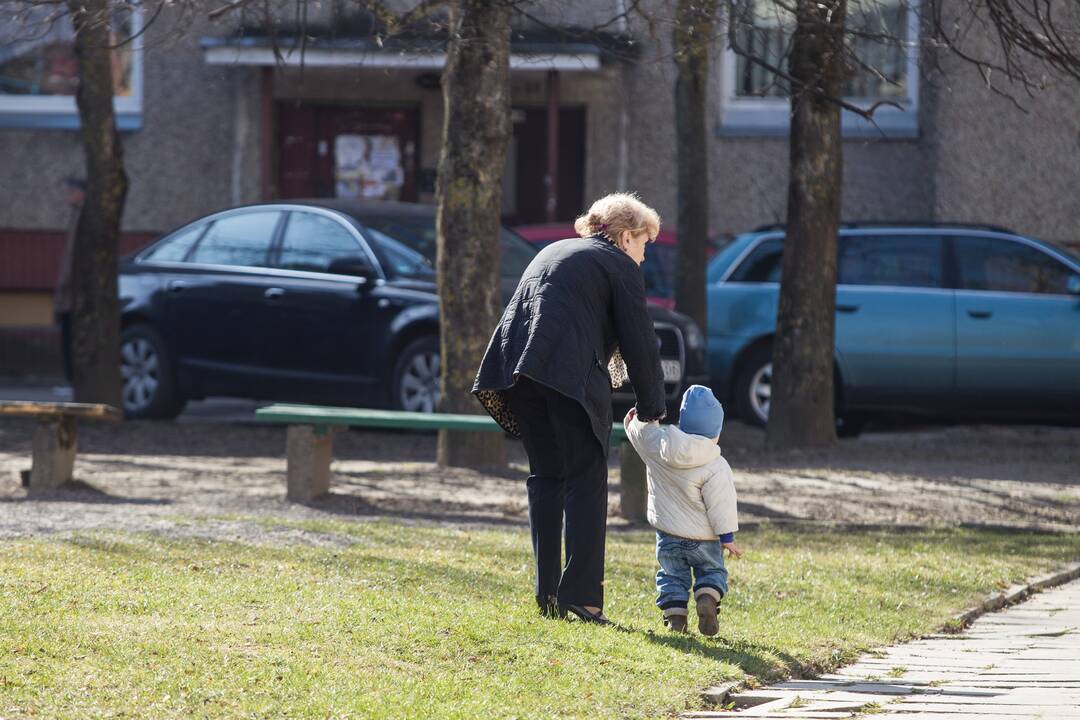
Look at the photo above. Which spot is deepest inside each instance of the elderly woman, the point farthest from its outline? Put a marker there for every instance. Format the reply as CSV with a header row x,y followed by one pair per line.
x,y
578,311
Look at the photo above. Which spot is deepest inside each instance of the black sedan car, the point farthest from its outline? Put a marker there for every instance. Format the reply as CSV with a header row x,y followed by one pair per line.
x,y
320,301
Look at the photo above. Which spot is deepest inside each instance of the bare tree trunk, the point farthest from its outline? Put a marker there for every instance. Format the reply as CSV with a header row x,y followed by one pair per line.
x,y
802,409
476,130
693,37
95,323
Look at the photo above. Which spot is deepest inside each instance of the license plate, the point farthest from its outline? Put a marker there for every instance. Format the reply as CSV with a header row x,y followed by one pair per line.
x,y
672,370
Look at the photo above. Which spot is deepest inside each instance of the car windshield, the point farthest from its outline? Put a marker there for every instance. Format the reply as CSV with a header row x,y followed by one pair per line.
x,y
727,255
406,246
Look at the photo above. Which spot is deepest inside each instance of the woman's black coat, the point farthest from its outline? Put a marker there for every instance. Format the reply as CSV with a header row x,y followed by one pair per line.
x,y
576,303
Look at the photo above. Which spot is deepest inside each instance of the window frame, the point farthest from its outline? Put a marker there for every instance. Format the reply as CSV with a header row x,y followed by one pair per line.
x,y
279,242
142,256
742,116
275,235
59,112
956,275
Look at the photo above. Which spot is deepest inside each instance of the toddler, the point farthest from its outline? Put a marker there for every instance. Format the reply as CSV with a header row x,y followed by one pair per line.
x,y
691,505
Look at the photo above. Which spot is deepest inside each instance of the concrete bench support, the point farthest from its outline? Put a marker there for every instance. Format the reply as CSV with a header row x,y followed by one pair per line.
x,y
55,443
56,437
308,450
634,497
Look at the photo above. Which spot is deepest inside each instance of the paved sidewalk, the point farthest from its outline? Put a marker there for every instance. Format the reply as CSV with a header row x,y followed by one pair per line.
x,y
1023,662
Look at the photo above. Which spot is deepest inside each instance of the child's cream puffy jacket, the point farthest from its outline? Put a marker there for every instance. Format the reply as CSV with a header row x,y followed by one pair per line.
x,y
691,488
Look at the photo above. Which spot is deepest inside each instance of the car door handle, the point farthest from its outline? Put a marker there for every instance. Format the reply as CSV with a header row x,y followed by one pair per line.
x,y
176,286
274,294
847,308
980,314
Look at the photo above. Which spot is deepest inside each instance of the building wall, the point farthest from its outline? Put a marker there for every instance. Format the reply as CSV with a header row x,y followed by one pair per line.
x,y
883,178
197,150
994,162
26,308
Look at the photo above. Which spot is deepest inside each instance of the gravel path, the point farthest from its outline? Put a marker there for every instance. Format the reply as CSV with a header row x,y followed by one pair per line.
x,y
217,480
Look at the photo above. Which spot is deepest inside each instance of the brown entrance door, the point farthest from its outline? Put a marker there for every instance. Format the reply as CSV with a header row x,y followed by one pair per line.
x,y
528,166
335,151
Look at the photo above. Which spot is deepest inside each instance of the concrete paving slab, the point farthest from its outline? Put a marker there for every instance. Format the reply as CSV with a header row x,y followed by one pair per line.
x,y
1017,664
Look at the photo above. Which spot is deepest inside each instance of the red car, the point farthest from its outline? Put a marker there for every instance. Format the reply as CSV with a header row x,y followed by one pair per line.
x,y
660,258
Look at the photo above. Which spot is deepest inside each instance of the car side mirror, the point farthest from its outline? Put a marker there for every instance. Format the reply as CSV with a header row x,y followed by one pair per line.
x,y
355,266
1073,285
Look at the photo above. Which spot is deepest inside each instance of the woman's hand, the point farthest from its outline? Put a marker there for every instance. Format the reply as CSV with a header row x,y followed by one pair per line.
x,y
630,415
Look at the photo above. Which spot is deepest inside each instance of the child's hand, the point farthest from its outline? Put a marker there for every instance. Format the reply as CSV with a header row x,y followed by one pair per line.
x,y
630,415
733,550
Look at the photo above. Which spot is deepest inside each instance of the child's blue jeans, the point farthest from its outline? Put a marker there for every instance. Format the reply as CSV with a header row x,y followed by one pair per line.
x,y
678,557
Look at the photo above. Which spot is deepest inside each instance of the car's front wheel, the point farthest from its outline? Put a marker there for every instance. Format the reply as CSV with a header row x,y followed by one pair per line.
x,y
149,387
415,384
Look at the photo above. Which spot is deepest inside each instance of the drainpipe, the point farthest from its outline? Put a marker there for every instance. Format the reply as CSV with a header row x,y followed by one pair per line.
x,y
240,135
551,179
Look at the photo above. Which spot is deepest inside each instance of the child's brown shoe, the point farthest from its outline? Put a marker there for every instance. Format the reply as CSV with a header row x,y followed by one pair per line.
x,y
707,622
676,623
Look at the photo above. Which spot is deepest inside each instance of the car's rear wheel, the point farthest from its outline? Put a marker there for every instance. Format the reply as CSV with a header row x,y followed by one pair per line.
x,y
415,384
753,394
149,386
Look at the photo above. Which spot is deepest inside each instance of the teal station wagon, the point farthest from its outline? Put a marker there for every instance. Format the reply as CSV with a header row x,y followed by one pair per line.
x,y
941,319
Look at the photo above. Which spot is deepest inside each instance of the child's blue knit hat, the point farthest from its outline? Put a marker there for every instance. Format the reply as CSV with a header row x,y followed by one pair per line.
x,y
701,413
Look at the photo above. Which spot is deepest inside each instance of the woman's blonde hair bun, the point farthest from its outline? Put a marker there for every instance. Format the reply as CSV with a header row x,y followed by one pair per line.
x,y
612,214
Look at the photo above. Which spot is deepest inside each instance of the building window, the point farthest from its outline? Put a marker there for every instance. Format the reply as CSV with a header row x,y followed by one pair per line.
x,y
755,101
39,72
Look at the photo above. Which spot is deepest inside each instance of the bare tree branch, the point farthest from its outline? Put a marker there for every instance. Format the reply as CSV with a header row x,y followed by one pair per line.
x,y
798,86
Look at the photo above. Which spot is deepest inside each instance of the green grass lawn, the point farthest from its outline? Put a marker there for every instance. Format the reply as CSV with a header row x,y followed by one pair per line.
x,y
416,621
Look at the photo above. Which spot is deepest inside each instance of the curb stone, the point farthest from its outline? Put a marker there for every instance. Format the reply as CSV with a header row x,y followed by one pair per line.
x,y
1012,596
720,695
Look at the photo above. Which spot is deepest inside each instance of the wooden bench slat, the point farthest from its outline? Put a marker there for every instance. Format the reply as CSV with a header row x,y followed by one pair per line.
x,y
89,411
396,419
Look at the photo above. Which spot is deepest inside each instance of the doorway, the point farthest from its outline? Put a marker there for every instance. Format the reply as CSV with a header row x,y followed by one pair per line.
x,y
347,152
523,187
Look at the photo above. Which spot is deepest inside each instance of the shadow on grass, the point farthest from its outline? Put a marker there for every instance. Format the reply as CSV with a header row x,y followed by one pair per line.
x,y
438,511
763,662
359,559
81,492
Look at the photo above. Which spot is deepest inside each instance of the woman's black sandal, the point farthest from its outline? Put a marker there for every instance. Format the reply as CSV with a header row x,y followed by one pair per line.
x,y
586,616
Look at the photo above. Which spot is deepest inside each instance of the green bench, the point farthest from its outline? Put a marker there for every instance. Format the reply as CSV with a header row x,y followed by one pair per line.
x,y
310,441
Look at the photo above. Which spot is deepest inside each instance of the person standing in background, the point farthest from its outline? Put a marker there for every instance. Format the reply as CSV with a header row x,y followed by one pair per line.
x,y
63,300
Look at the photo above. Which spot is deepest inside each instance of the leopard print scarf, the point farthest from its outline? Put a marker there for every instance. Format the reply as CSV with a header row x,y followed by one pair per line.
x,y
494,401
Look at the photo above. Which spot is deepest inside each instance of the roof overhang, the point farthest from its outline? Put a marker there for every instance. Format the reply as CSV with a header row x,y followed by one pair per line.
x,y
261,52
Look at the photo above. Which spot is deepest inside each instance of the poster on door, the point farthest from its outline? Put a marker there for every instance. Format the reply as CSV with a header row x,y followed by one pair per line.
x,y
368,167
